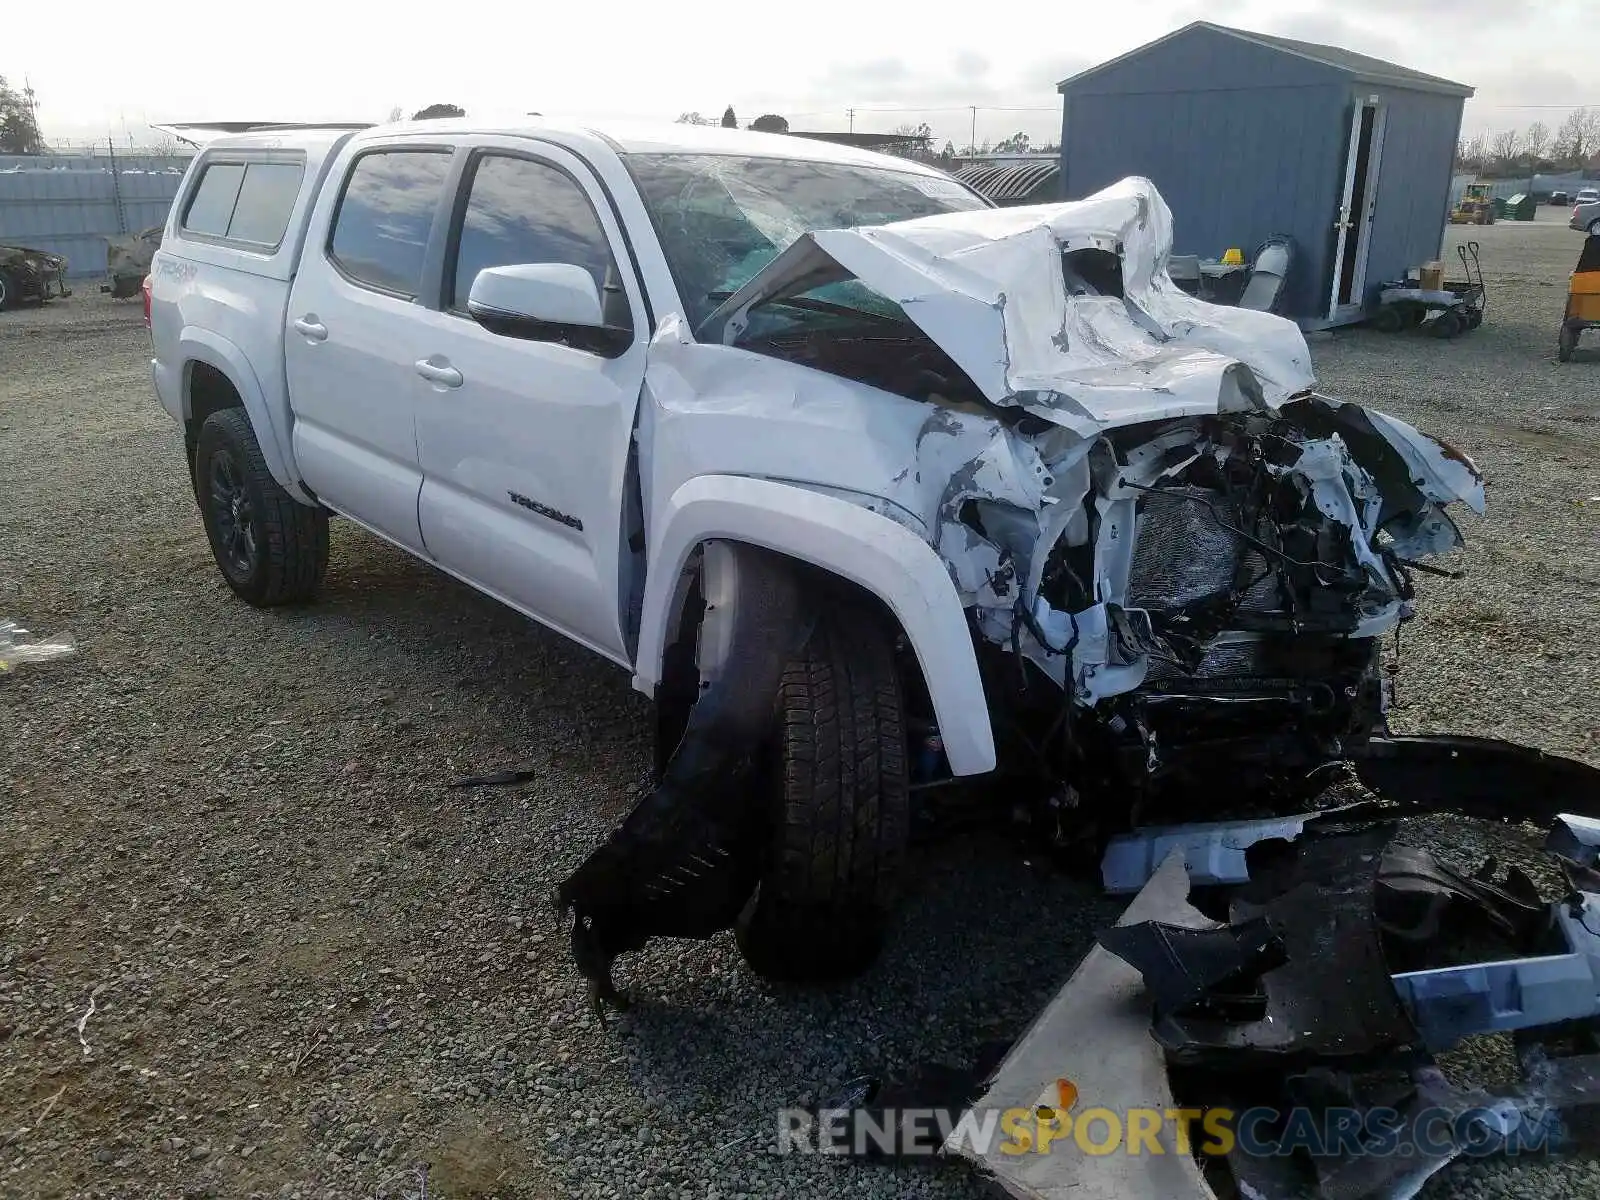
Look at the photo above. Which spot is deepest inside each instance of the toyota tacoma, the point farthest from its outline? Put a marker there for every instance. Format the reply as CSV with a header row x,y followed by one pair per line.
x,y
873,487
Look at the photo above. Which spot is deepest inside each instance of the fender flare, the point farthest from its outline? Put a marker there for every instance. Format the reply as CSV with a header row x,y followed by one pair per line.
x,y
863,547
202,345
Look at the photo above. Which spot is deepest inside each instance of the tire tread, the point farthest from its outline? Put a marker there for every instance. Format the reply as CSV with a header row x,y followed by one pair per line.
x,y
295,534
840,833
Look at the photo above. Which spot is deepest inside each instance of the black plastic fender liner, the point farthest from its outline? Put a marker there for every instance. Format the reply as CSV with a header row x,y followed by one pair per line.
x,y
1316,896
687,858
1478,777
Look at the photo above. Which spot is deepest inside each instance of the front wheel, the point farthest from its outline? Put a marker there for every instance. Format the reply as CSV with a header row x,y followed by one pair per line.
x,y
1594,227
8,291
836,790
1389,319
271,549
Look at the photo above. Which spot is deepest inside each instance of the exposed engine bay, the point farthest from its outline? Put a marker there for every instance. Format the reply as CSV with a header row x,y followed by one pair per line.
x,y
1215,593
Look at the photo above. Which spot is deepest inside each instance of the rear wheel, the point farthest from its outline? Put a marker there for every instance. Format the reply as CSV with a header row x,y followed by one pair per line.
x,y
836,786
8,291
270,548
1594,227
1447,324
1567,343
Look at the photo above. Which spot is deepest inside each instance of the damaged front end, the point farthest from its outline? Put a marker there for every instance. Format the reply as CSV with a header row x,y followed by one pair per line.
x,y
1220,598
31,275
1175,560
1135,492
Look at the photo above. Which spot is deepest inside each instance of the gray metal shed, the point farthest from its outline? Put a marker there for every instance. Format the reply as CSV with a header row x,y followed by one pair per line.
x,y
1248,135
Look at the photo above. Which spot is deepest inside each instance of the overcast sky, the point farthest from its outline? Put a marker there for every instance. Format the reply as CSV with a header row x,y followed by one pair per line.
x,y
103,68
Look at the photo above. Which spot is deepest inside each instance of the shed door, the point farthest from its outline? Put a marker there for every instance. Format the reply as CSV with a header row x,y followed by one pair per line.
x,y
1353,221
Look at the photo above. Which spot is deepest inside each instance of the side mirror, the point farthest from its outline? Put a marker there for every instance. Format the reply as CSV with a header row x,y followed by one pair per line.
x,y
545,302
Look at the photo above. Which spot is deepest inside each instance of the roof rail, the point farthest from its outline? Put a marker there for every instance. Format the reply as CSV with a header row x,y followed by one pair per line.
x,y
260,126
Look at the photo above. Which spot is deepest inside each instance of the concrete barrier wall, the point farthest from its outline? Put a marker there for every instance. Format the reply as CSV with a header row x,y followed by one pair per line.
x,y
70,205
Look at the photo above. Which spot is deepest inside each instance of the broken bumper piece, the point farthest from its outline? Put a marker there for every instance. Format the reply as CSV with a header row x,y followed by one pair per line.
x,y
1169,1014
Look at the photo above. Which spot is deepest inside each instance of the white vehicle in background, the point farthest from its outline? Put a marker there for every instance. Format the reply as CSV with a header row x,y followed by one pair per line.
x,y
872,487
1586,212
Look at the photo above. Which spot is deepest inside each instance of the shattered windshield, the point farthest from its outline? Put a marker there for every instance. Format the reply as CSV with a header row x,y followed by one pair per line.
x,y
721,218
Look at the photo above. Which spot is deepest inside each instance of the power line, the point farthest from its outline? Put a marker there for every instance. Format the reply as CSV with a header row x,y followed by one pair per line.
x,y
913,108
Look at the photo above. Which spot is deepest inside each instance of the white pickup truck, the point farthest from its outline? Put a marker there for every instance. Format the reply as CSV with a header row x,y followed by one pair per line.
x,y
872,486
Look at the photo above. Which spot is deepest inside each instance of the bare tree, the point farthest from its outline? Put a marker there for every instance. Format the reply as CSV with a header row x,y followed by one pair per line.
x,y
694,118
1571,137
1591,133
1472,154
914,140
1504,148
1537,140
396,113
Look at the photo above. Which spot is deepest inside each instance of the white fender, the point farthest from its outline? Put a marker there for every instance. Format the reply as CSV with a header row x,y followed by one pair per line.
x,y
850,542
201,345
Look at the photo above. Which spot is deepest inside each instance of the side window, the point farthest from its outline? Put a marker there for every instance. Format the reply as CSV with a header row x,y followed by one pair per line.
x,y
211,206
265,201
244,202
519,211
381,228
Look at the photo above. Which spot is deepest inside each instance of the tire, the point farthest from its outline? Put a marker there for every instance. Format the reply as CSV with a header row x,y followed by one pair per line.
x,y
1389,319
1594,227
271,549
1447,324
8,292
1567,343
836,784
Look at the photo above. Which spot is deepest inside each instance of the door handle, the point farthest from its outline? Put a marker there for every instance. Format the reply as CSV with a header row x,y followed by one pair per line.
x,y
441,373
311,328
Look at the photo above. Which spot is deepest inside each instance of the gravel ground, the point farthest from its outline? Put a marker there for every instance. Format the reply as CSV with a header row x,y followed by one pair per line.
x,y
308,967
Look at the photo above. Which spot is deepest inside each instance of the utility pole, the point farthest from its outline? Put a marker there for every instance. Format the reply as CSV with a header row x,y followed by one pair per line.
x,y
32,101
974,143
851,113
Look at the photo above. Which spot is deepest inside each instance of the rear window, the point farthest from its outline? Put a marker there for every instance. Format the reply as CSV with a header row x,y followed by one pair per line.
x,y
214,197
248,203
380,232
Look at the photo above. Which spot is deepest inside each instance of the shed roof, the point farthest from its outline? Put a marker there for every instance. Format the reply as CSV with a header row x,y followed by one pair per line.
x,y
1362,67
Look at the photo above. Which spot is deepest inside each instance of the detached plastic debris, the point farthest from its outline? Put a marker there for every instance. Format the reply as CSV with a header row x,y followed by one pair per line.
x,y
16,650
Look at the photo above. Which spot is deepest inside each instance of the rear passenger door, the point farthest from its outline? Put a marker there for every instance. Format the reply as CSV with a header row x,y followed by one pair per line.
x,y
352,339
525,443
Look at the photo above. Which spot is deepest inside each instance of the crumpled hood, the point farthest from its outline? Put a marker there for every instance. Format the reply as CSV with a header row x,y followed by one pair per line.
x,y
988,287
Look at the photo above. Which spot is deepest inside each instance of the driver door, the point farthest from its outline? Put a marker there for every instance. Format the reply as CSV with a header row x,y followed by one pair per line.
x,y
524,445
